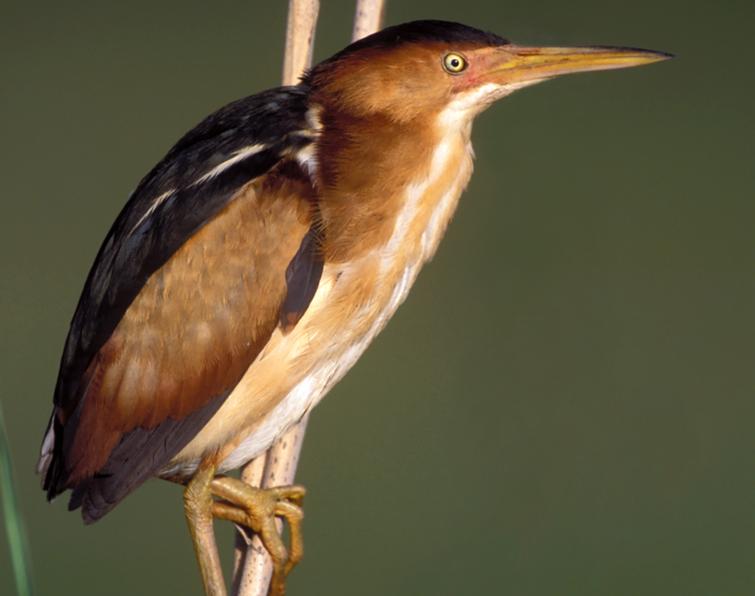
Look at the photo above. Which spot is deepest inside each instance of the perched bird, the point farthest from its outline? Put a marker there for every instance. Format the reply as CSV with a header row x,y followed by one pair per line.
x,y
258,259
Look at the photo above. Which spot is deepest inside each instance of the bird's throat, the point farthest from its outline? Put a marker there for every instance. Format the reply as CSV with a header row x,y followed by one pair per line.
x,y
399,178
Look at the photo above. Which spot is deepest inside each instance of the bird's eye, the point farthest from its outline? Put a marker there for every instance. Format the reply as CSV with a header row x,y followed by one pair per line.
x,y
454,63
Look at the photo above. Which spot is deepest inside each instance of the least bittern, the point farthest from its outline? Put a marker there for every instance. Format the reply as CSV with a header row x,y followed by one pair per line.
x,y
255,263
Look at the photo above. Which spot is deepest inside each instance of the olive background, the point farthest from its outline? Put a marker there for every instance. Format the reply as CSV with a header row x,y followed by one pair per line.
x,y
564,404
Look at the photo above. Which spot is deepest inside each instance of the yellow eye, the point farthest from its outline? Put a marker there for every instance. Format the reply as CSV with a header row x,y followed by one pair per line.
x,y
454,63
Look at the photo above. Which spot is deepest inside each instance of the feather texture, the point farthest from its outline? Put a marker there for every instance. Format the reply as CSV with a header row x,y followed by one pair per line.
x,y
184,293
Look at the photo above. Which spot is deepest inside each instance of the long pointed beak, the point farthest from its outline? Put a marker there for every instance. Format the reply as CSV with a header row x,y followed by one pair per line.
x,y
521,64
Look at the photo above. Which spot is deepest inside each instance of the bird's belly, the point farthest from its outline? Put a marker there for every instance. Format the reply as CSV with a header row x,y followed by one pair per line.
x,y
353,302
335,357
296,370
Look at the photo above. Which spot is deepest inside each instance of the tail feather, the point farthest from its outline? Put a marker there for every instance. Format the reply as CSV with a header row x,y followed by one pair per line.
x,y
50,464
140,454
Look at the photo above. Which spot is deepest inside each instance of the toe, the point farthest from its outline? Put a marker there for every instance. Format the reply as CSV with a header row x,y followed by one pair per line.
x,y
294,493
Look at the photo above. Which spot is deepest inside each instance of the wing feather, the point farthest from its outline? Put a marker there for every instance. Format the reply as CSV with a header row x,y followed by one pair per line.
x,y
152,226
184,293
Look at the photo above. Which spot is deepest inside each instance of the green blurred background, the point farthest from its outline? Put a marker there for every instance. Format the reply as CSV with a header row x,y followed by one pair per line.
x,y
564,405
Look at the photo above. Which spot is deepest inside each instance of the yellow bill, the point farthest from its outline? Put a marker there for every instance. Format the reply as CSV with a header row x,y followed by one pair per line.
x,y
520,64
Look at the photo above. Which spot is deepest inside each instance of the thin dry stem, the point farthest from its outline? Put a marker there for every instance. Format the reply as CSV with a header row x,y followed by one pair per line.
x,y
278,466
368,17
300,38
252,565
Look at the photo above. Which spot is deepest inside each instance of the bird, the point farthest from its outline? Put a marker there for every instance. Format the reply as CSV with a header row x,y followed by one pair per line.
x,y
254,264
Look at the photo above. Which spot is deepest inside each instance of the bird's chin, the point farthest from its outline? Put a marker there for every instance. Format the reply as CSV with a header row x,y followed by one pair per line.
x,y
468,104
509,88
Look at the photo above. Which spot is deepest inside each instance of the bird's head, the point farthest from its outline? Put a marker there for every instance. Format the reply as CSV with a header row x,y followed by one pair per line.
x,y
424,68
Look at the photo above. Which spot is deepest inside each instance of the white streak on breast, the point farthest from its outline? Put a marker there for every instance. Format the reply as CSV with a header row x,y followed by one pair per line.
x,y
414,195
444,210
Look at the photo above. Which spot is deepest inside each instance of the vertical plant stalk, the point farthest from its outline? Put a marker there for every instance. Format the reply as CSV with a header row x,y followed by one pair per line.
x,y
368,18
253,567
14,529
300,38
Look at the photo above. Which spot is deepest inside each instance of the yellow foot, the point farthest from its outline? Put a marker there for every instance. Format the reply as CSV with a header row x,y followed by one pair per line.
x,y
198,504
257,508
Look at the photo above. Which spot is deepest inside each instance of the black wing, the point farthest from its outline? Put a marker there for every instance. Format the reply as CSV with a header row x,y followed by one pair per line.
x,y
192,183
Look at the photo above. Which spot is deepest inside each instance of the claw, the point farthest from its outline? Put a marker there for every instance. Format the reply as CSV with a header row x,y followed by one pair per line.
x,y
294,492
257,509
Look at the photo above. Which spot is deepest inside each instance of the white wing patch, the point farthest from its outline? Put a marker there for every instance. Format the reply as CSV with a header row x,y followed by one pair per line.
x,y
156,202
238,156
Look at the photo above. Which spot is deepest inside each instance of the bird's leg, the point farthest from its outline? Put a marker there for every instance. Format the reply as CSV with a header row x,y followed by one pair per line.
x,y
257,508
198,505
